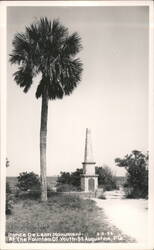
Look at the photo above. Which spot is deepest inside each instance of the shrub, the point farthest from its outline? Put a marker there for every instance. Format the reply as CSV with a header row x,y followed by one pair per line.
x,y
135,163
30,194
29,186
9,203
66,188
106,178
9,199
35,193
102,196
64,178
28,181
69,181
8,189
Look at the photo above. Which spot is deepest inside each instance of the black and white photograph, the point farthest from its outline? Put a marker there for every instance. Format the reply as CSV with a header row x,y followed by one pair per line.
x,y
76,150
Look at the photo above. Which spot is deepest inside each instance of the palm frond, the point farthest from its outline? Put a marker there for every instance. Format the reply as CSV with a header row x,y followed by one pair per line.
x,y
72,45
21,49
66,78
58,30
23,78
73,76
32,33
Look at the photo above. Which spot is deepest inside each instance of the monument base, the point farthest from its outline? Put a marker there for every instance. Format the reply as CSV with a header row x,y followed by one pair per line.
x,y
89,183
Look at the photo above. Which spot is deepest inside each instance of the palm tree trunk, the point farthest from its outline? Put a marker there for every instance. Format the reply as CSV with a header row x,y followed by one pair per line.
x,y
43,142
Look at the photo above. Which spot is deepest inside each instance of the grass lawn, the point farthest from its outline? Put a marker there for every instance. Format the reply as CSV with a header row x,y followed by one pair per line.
x,y
64,218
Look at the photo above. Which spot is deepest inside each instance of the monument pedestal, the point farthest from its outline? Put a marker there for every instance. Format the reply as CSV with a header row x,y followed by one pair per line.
x,y
89,183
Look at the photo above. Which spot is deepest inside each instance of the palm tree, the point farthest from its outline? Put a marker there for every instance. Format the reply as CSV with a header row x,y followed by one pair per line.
x,y
47,49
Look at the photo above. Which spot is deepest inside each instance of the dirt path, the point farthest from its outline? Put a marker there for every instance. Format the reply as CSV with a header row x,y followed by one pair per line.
x,y
130,216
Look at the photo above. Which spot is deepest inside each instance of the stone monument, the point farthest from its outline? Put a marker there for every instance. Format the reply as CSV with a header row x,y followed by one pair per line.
x,y
89,179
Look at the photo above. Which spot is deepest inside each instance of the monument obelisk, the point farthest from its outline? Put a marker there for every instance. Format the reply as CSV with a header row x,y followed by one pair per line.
x,y
89,179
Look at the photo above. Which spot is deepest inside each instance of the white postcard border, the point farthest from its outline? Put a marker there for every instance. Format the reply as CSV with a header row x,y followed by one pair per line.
x,y
3,74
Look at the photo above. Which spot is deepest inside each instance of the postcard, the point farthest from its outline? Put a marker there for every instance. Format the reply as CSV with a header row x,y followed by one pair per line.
x,y
77,119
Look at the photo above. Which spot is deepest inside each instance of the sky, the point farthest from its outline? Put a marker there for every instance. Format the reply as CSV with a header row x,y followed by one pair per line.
x,y
111,99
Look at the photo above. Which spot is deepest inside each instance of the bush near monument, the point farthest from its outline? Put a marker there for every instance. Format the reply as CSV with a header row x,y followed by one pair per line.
x,y
29,186
136,163
72,181
106,178
28,181
66,188
69,181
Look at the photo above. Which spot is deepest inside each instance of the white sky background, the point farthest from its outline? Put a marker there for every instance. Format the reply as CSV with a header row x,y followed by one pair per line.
x,y
111,100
